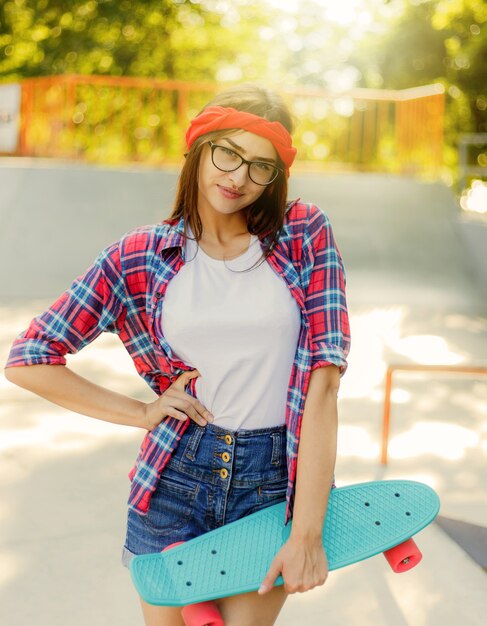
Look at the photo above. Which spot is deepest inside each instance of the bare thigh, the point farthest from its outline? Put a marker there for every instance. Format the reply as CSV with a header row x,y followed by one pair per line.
x,y
161,615
247,609
251,609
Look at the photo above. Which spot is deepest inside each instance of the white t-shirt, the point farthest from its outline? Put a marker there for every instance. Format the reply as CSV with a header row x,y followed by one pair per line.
x,y
240,330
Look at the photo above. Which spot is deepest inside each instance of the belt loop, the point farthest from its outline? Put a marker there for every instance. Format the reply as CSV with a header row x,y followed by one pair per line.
x,y
276,448
193,442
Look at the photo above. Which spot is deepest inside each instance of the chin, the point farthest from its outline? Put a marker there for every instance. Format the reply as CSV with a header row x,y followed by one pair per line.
x,y
223,207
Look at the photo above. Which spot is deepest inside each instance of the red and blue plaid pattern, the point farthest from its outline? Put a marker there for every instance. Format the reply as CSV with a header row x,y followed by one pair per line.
x,y
122,293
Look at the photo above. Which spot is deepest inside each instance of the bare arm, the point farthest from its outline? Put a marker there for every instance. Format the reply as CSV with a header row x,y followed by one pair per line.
x,y
302,560
317,453
62,386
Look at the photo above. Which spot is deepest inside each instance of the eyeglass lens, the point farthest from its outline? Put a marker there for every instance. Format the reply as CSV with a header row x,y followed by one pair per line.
x,y
227,160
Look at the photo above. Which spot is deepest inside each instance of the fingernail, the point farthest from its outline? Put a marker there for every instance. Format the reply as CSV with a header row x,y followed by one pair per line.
x,y
262,588
211,417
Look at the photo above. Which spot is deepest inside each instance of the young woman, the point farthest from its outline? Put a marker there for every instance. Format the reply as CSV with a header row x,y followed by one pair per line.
x,y
234,312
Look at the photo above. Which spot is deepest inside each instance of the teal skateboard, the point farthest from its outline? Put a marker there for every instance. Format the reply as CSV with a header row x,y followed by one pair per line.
x,y
362,520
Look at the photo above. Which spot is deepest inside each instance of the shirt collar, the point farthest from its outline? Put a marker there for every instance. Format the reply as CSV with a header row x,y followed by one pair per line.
x,y
175,235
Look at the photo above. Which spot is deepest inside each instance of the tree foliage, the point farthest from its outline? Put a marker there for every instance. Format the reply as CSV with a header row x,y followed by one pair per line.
x,y
317,44
431,41
160,38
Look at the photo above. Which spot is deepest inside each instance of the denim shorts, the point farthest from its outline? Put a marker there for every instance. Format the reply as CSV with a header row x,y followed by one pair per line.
x,y
215,476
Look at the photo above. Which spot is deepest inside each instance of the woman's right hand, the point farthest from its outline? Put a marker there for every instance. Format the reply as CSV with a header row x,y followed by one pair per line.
x,y
175,402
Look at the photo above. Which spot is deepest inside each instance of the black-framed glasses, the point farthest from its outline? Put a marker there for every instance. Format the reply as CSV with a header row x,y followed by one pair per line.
x,y
227,160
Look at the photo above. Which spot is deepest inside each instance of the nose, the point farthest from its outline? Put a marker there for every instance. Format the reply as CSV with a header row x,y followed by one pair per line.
x,y
240,175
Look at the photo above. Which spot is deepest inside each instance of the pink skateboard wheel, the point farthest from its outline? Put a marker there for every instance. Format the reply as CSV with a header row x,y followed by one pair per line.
x,y
403,557
202,614
173,545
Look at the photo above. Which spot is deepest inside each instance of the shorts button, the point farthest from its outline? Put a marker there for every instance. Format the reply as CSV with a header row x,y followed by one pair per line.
x,y
228,439
223,473
226,457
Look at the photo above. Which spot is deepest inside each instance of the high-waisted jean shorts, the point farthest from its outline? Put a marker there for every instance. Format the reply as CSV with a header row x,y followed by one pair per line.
x,y
215,476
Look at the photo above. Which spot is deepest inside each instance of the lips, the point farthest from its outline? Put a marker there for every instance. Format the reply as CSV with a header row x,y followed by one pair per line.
x,y
229,193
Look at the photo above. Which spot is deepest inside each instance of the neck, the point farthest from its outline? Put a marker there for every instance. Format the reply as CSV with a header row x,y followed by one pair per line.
x,y
221,229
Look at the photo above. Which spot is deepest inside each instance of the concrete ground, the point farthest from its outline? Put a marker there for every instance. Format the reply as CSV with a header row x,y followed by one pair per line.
x,y
413,298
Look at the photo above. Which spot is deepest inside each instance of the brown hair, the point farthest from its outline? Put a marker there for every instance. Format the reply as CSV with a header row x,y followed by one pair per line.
x,y
265,217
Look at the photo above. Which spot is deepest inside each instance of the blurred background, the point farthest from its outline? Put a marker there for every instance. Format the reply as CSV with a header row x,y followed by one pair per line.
x,y
351,69
390,106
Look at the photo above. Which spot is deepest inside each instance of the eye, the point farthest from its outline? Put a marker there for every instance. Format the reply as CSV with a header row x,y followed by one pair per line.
x,y
228,153
264,167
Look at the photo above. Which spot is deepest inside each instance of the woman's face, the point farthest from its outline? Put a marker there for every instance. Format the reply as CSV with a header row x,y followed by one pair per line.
x,y
229,192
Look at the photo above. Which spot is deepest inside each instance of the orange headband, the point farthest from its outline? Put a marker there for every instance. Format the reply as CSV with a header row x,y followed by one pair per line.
x,y
221,118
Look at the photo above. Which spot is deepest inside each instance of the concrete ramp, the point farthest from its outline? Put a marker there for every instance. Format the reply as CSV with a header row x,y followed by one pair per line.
x,y
56,218
397,235
413,297
399,239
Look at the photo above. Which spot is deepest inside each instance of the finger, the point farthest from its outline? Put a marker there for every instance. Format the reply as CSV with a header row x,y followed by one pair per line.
x,y
182,409
183,379
169,412
179,415
203,411
196,411
270,578
191,406
184,404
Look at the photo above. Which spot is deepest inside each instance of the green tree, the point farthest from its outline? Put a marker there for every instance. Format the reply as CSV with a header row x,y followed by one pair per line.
x,y
435,41
430,41
180,39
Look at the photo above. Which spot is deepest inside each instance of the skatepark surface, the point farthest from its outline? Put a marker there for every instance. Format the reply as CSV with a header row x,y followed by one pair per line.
x,y
414,297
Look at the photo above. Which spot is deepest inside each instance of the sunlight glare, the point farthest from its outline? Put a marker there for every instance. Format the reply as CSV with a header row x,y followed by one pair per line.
x,y
474,199
426,349
291,6
343,13
10,569
400,396
356,442
371,331
53,432
447,441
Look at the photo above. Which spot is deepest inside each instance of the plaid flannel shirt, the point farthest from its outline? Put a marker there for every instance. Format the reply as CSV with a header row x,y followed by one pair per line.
x,y
122,292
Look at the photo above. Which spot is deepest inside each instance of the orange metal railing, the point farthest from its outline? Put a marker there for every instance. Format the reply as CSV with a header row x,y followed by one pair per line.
x,y
117,119
386,416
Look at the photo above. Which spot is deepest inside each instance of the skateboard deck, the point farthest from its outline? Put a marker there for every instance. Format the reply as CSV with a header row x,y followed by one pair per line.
x,y
362,520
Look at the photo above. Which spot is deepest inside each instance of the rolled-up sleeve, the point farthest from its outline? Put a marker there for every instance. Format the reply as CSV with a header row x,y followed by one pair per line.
x,y
94,303
323,281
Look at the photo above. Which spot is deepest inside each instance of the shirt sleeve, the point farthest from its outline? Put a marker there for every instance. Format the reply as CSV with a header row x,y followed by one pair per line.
x,y
94,303
323,281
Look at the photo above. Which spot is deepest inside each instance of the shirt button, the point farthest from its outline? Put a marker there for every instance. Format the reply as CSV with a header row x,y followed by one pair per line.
x,y
226,457
228,439
223,473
